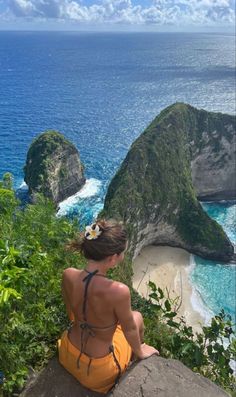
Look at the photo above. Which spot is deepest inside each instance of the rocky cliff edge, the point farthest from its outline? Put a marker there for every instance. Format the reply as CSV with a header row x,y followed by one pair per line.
x,y
153,377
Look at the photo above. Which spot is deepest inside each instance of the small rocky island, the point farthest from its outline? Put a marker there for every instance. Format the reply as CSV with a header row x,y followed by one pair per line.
x,y
53,167
184,155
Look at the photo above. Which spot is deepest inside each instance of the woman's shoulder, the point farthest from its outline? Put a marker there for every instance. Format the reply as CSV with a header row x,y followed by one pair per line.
x,y
120,290
70,273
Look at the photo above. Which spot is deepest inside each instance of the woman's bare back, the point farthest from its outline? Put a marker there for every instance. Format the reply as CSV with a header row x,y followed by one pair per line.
x,y
99,310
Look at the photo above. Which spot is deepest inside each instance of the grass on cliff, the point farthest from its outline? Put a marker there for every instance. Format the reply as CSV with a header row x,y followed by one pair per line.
x,y
32,314
162,156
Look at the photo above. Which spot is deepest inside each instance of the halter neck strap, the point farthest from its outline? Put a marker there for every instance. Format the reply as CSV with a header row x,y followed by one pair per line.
x,y
94,273
87,280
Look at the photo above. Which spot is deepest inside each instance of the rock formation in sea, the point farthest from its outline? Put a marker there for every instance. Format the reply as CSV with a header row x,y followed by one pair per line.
x,y
53,167
184,155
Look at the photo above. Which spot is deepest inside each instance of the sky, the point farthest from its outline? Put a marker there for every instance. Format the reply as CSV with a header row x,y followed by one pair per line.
x,y
123,15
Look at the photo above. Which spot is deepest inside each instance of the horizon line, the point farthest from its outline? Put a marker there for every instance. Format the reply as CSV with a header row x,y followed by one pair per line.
x,y
117,31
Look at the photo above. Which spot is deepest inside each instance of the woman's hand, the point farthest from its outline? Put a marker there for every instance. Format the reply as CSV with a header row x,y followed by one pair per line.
x,y
147,351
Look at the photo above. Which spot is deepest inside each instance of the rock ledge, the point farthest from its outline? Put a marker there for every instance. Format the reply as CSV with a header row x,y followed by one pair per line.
x,y
153,377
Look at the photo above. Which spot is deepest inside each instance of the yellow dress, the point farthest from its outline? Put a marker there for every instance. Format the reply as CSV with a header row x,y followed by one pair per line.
x,y
102,372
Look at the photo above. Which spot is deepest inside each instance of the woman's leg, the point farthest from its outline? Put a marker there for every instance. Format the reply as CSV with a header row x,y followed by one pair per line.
x,y
138,318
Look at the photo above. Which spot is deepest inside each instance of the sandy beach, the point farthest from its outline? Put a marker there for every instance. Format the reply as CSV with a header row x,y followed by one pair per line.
x,y
169,269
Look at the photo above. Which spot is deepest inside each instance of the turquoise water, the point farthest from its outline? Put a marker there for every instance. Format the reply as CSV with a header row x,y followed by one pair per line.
x,y
216,282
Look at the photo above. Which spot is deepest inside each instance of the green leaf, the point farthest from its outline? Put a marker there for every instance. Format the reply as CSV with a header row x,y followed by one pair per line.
x,y
173,324
170,315
167,305
153,295
6,293
161,293
152,286
198,356
187,347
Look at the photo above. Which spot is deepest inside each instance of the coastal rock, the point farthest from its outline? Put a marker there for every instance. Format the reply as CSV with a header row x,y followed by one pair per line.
x,y
53,167
153,377
156,190
55,381
159,377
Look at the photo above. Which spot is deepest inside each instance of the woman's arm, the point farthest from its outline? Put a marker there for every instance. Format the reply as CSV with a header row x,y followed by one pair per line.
x,y
124,314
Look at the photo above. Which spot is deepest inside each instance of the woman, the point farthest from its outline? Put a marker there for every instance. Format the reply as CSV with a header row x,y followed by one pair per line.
x,y
105,331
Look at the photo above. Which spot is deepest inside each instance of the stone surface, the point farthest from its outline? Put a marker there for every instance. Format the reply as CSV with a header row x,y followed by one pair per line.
x,y
53,167
213,171
55,381
153,377
183,155
159,377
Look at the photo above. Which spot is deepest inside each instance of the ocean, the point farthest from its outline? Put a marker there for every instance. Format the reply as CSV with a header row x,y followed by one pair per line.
x,y
214,282
101,90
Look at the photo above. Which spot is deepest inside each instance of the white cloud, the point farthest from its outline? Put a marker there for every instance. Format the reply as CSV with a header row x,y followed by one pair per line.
x,y
21,8
161,12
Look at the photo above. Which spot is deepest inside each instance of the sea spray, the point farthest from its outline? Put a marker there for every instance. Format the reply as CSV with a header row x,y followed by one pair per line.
x,y
22,192
85,204
23,186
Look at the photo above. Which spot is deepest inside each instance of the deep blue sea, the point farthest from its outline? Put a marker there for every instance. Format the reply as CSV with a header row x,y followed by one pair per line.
x,y
101,90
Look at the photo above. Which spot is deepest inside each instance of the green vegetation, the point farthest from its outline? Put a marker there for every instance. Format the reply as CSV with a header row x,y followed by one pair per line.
x,y
162,156
7,181
32,314
32,258
193,225
208,352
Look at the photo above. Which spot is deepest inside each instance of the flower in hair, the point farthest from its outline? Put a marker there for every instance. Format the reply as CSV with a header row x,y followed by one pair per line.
x,y
92,232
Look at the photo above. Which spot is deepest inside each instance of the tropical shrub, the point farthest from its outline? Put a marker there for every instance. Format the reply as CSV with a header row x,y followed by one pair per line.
x,y
32,314
208,352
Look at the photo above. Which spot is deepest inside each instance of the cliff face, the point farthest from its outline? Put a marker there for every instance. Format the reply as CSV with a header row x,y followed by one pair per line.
x,y
212,146
53,167
155,191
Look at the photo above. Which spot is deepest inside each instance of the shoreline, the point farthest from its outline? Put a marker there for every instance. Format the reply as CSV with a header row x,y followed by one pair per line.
x,y
169,269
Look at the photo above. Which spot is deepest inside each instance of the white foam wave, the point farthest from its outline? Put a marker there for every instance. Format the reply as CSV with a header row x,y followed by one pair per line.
x,y
91,188
199,305
197,301
192,265
23,186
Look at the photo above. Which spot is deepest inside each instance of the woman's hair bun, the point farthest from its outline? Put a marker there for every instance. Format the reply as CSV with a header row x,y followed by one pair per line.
x,y
100,240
